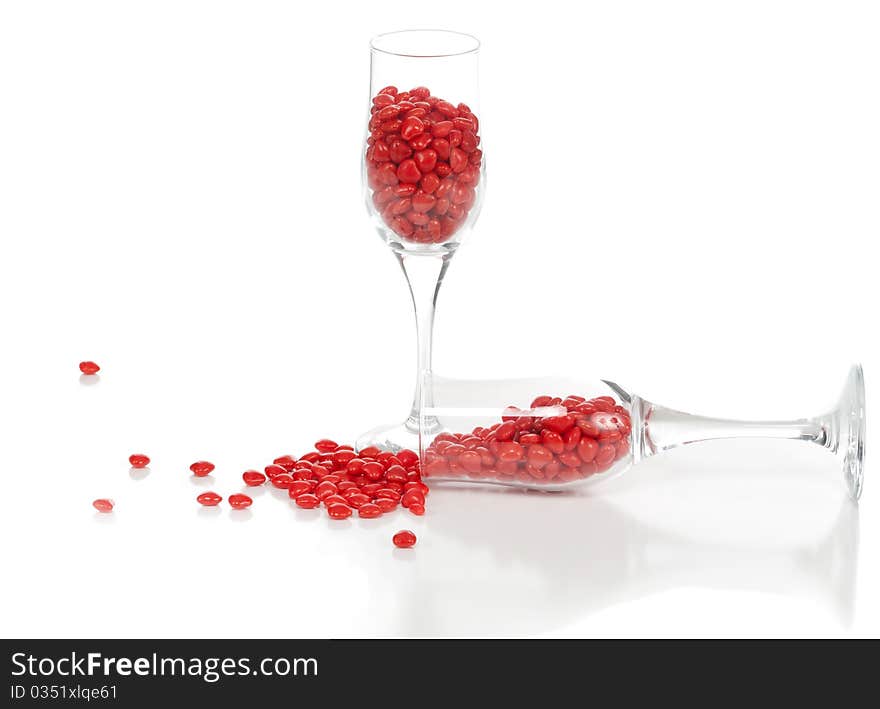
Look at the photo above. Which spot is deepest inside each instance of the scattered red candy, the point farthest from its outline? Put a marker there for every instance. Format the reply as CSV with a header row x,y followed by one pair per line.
x,y
210,499
371,481
404,539
201,468
89,368
239,501
138,460
253,478
555,441
423,163
103,505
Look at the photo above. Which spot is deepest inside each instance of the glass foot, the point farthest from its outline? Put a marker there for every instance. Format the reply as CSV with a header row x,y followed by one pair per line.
x,y
849,422
391,437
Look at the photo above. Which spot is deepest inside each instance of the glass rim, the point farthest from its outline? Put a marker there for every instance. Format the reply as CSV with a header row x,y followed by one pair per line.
x,y
471,44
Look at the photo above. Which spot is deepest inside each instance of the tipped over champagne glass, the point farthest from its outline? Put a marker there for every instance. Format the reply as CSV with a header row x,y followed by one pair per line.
x,y
571,433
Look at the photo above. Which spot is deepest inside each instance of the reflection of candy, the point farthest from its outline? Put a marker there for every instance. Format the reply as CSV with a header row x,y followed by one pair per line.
x,y
535,449
209,499
423,163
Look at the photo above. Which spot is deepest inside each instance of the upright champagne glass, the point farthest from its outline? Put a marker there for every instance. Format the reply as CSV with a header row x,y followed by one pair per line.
x,y
423,174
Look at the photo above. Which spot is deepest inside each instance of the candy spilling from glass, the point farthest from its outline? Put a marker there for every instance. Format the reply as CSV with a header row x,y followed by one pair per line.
x,y
469,432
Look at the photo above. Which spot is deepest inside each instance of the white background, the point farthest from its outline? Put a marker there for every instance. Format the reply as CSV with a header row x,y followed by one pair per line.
x,y
681,196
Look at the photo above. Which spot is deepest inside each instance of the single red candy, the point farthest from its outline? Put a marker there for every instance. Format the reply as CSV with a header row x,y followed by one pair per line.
x,y
103,505
283,481
252,478
325,445
412,497
201,468
426,160
288,462
423,202
339,511
138,460
411,127
274,470
399,151
307,501
209,499
89,367
239,501
300,487
325,489
408,171
407,457
587,449
441,128
420,142
605,455
369,511
404,539
386,504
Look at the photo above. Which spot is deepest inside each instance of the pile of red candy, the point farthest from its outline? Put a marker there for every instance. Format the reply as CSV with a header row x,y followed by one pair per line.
x,y
423,163
371,482
534,449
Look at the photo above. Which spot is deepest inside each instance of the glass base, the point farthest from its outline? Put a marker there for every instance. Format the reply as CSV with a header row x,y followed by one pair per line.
x,y
850,420
391,437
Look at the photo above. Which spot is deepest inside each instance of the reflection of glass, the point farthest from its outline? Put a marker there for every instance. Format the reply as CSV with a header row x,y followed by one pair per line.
x,y
571,433
423,173
522,567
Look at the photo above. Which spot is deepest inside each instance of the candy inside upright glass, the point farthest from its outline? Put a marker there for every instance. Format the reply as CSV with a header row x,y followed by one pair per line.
x,y
423,159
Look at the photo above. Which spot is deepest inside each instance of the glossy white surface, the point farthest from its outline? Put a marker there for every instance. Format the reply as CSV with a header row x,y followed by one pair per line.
x,y
680,198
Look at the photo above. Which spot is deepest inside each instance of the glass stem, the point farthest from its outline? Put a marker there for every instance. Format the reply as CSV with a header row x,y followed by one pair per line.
x,y
424,274
660,429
